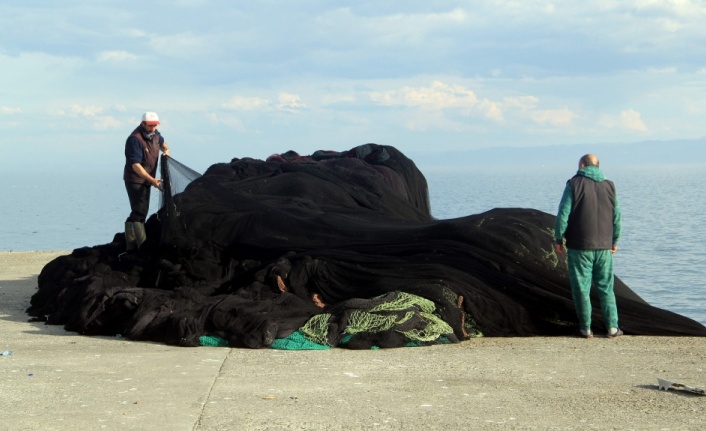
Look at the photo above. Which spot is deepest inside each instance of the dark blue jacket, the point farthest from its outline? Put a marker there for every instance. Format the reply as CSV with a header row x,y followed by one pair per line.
x,y
140,148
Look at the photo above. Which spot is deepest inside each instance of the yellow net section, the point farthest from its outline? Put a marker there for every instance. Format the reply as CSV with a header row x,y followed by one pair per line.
x,y
410,315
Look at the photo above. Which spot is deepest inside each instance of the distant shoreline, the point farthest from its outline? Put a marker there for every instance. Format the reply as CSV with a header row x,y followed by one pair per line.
x,y
638,154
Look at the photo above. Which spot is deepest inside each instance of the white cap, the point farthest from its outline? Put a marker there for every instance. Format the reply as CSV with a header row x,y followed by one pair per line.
x,y
150,118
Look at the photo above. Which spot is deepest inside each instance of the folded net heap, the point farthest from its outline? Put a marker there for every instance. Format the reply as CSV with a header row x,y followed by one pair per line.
x,y
330,249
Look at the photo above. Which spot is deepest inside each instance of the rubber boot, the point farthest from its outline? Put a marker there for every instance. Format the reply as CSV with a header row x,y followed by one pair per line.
x,y
130,241
140,233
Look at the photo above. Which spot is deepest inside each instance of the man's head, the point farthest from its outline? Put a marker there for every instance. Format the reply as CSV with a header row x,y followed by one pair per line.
x,y
588,160
150,121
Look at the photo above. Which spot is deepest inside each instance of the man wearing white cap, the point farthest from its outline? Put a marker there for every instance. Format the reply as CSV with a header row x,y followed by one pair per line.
x,y
141,157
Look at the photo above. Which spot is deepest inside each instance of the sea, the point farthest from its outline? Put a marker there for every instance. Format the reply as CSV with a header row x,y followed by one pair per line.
x,y
661,256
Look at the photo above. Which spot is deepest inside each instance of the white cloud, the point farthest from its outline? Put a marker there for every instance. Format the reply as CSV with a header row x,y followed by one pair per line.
x,y
492,111
183,45
670,25
287,102
36,72
684,8
85,111
440,97
523,103
437,96
107,123
413,24
135,32
332,99
80,113
663,70
77,110
290,103
554,117
9,111
367,71
628,119
388,29
632,120
116,56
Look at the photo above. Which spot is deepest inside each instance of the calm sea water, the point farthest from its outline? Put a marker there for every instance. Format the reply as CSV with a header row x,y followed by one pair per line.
x,y
662,254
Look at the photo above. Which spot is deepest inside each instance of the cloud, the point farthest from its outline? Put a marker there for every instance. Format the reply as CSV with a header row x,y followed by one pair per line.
x,y
107,123
437,96
116,56
683,8
134,32
632,120
414,26
628,119
80,112
290,103
287,102
32,73
663,70
9,111
377,28
6,110
523,103
364,70
183,45
333,99
492,111
77,110
553,117
85,111
440,97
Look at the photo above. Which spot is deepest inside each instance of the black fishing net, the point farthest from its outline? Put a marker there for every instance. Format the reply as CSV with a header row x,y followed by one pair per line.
x,y
334,248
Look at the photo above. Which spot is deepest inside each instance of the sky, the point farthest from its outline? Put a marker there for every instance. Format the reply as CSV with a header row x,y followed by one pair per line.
x,y
253,78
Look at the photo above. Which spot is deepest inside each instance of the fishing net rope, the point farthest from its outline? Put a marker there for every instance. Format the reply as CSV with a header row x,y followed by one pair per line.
x,y
336,248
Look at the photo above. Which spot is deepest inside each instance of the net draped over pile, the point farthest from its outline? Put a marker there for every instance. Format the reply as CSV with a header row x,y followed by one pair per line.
x,y
335,248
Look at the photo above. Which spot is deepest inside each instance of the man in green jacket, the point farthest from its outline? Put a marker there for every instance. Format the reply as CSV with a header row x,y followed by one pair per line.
x,y
589,220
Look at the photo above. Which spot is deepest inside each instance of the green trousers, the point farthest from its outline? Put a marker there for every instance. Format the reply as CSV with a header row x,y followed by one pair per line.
x,y
588,267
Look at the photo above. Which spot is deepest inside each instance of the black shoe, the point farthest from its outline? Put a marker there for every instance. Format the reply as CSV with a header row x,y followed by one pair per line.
x,y
584,333
615,334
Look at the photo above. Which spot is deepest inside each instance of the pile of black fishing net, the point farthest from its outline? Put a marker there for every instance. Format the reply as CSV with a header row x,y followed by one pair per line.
x,y
331,249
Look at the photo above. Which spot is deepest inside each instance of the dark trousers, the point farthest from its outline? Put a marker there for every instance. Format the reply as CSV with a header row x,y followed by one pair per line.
x,y
139,195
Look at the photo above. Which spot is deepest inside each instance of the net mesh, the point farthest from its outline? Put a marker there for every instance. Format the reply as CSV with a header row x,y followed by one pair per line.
x,y
297,341
409,315
316,329
338,245
176,177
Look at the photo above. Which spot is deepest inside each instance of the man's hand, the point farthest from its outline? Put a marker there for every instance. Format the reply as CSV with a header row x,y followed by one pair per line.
x,y
157,183
559,248
614,249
